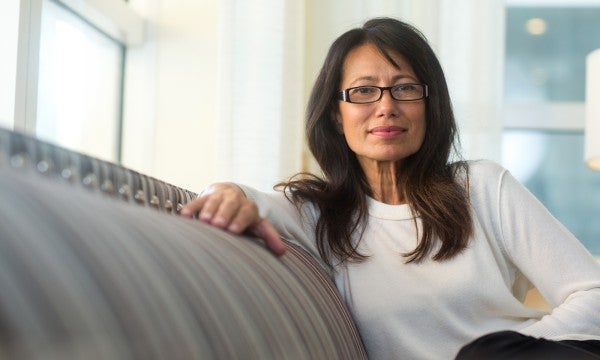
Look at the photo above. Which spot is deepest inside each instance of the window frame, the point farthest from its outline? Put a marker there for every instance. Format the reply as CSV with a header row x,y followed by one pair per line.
x,y
115,18
561,116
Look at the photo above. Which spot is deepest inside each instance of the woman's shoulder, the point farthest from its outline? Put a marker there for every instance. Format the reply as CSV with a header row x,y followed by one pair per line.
x,y
484,168
477,167
484,176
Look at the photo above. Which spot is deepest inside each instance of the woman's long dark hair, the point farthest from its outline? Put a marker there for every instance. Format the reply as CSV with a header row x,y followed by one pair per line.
x,y
429,182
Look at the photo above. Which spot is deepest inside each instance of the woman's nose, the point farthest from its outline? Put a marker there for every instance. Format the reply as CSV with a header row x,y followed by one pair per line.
x,y
387,105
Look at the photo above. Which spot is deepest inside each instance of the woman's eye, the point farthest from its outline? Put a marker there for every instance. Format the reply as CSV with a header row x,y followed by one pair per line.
x,y
364,90
405,87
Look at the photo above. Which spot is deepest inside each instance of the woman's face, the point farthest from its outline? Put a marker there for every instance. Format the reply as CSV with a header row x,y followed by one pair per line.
x,y
387,130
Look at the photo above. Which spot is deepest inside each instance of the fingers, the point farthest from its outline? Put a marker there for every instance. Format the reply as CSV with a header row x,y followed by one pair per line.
x,y
225,206
264,230
221,209
192,207
219,205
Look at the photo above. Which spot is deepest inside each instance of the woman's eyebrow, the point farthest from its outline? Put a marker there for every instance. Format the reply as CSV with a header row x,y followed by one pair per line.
x,y
363,78
373,78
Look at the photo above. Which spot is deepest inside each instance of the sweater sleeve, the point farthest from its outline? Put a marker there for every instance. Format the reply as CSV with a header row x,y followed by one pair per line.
x,y
557,264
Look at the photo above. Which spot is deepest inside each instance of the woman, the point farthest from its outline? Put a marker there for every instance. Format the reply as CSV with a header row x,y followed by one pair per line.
x,y
428,254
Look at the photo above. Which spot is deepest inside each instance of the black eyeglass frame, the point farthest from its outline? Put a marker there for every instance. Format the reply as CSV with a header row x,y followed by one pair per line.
x,y
345,96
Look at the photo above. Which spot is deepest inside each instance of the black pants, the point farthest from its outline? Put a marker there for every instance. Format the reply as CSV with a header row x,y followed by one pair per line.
x,y
515,346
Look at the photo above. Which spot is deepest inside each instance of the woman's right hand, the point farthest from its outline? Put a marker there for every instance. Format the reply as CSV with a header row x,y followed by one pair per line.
x,y
225,206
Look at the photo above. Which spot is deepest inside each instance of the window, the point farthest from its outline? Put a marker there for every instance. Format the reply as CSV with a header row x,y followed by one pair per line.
x,y
70,70
544,89
553,170
79,84
545,52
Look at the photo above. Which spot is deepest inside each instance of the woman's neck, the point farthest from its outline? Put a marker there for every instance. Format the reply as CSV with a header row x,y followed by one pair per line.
x,y
383,180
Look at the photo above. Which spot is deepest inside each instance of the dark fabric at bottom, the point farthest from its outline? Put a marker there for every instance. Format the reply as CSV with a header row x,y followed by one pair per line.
x,y
515,346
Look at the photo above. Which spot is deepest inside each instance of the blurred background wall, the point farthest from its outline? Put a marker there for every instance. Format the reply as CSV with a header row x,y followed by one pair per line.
x,y
194,92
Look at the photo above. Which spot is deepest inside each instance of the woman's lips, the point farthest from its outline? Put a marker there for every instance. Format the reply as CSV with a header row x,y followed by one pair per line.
x,y
387,131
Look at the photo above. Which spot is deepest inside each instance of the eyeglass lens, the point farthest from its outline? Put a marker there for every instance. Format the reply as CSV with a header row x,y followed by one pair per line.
x,y
405,92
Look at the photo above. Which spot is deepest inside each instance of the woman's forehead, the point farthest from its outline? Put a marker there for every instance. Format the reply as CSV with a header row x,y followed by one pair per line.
x,y
367,62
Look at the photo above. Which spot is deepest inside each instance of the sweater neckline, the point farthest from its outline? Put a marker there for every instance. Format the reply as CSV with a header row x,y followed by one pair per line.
x,y
384,211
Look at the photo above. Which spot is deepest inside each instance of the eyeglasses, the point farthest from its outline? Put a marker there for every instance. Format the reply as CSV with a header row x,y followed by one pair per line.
x,y
371,94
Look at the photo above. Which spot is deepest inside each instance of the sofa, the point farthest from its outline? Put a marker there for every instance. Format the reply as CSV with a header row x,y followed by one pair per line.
x,y
95,263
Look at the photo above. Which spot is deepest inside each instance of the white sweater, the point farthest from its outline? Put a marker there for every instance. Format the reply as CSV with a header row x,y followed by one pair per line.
x,y
430,309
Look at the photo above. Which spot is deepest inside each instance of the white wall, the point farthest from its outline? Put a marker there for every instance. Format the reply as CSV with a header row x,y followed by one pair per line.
x,y
170,104
261,87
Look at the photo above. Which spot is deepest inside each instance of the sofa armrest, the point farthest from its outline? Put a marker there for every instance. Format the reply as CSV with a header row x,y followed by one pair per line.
x,y
84,274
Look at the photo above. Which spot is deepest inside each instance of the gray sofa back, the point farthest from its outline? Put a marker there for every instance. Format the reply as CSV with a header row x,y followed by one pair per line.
x,y
96,264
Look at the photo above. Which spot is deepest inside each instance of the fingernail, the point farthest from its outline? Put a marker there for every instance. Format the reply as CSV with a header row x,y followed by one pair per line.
x,y
205,216
281,251
234,228
219,221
